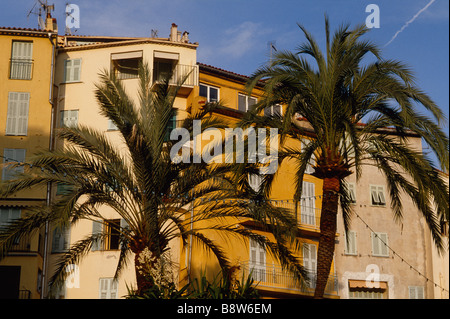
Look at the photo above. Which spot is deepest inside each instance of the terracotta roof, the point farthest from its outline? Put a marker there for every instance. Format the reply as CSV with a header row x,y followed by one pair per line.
x,y
26,31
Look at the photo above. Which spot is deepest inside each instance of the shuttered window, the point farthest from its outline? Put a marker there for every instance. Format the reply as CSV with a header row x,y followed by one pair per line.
x,y
108,288
72,70
350,243
12,155
255,181
17,117
21,60
97,229
379,244
352,192
69,118
416,292
309,167
274,110
60,240
245,102
308,214
7,215
377,195
257,261
310,263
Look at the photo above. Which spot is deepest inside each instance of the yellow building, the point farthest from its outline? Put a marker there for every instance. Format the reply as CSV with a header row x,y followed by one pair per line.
x,y
272,281
80,60
26,71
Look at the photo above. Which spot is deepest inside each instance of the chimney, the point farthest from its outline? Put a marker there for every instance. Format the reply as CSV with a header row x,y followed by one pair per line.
x,y
50,23
174,33
185,38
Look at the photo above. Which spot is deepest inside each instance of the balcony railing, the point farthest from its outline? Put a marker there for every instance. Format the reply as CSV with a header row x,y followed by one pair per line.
x,y
21,69
180,72
274,277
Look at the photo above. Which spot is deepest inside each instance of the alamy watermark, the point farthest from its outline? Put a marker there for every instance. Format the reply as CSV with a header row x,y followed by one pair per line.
x,y
373,19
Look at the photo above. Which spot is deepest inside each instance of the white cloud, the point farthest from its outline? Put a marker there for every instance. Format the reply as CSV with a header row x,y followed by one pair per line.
x,y
237,41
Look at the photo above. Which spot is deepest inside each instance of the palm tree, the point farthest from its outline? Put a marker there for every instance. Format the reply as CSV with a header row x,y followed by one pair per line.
x,y
334,91
158,199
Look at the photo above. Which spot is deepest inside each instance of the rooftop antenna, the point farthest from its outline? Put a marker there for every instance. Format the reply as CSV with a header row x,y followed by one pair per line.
x,y
154,33
272,48
43,6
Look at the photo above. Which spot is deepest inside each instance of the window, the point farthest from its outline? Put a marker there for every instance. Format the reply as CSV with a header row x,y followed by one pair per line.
x,y
379,245
60,240
126,64
112,126
255,181
309,167
69,118
245,102
17,117
211,93
351,192
273,110
416,292
8,215
170,126
308,215
377,195
108,288
12,155
72,70
110,229
21,60
310,263
257,261
350,243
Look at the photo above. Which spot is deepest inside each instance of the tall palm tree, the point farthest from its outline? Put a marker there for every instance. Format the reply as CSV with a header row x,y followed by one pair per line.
x,y
159,200
335,91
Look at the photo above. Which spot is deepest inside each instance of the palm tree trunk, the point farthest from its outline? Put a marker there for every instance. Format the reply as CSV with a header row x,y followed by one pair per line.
x,y
144,280
328,221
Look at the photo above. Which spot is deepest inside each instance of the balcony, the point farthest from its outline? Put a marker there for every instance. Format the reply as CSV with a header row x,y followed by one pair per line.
x,y
273,279
21,69
180,72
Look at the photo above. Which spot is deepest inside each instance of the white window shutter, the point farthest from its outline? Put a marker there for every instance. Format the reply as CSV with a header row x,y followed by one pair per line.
x,y
257,262
350,243
308,203
381,197
76,68
13,113
383,244
309,168
97,228
255,181
104,288
23,106
375,245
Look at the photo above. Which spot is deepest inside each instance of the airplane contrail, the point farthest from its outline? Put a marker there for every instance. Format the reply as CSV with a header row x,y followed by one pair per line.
x,y
410,21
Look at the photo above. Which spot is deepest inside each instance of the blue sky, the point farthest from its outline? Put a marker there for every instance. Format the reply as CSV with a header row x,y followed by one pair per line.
x,y
234,34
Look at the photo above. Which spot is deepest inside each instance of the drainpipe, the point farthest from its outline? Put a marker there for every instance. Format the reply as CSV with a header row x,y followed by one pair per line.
x,y
50,100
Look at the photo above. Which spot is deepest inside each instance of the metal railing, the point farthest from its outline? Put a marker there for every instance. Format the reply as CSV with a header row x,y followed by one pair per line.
x,y
21,69
274,276
188,74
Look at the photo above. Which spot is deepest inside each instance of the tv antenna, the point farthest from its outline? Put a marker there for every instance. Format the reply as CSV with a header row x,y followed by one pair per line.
x,y
272,48
38,9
